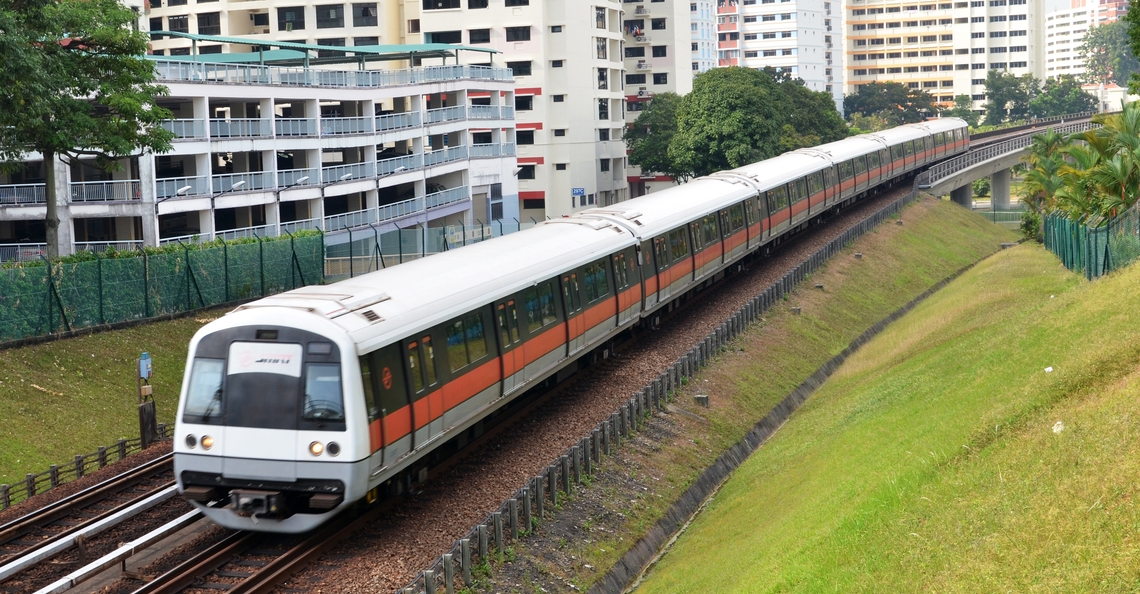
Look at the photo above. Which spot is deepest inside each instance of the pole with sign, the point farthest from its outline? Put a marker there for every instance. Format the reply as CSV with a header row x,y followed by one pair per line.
x,y
148,415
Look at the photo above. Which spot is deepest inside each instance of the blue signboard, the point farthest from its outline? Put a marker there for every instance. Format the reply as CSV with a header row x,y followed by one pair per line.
x,y
577,191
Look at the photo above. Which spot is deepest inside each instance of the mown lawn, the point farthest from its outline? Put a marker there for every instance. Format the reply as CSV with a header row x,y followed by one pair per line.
x,y
932,461
71,396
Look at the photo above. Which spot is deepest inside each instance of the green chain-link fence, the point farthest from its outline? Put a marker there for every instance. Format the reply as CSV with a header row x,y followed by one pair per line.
x,y
1097,247
38,299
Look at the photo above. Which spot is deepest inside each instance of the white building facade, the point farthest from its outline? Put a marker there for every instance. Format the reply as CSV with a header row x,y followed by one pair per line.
x,y
264,150
943,48
801,37
702,27
1065,31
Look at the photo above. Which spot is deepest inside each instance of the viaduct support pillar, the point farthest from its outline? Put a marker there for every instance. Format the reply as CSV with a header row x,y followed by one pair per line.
x,y
963,196
999,189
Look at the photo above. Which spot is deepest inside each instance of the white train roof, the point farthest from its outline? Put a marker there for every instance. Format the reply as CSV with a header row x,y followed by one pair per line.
x,y
387,305
772,172
652,215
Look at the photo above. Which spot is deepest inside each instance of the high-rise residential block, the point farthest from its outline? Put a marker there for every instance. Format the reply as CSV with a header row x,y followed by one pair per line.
x,y
1065,32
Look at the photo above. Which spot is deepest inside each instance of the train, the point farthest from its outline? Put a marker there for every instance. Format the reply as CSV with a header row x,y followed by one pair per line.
x,y
298,405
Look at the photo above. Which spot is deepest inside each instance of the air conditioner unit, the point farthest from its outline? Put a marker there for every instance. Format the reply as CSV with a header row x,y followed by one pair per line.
x,y
642,93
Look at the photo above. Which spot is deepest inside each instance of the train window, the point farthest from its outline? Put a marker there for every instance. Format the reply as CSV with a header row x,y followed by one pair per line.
x,y
369,394
415,367
709,232
815,183
873,160
596,285
660,254
736,217
204,396
621,279
513,320
456,346
698,239
323,401
778,198
678,244
576,292
896,152
429,361
800,188
476,340
533,311
860,165
749,209
908,146
846,170
546,303
504,332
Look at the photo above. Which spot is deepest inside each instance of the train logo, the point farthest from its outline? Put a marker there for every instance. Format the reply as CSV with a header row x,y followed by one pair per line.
x,y
386,377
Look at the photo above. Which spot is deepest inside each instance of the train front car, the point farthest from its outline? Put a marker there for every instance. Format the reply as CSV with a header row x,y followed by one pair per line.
x,y
266,437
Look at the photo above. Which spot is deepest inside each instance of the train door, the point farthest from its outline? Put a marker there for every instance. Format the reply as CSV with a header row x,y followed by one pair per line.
x,y
545,343
661,264
389,410
624,277
427,397
572,305
752,220
512,357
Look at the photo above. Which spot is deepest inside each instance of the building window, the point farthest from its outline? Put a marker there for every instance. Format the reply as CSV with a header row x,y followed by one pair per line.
x,y
524,136
635,79
440,4
518,2
601,44
477,36
600,17
526,172
476,4
518,33
638,51
605,165
364,15
603,78
520,68
210,23
156,24
604,134
365,41
558,98
534,203
560,132
560,167
330,43
556,29
330,16
445,37
209,49
291,19
657,24
659,51
556,63
524,102
180,24
603,109
413,25
661,78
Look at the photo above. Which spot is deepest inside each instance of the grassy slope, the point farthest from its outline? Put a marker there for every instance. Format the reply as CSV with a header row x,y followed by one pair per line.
x,y
929,461
87,392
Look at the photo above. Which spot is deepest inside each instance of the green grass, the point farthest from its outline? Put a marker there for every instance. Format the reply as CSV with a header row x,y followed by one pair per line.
x,y
929,461
71,396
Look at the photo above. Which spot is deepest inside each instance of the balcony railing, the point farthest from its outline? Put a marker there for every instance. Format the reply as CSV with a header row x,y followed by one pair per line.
x,y
509,150
22,252
393,211
295,226
254,180
23,194
297,177
186,129
397,121
105,191
482,112
350,220
245,232
507,112
98,247
295,126
446,197
350,125
168,187
399,164
486,151
445,114
240,128
205,72
447,155
355,171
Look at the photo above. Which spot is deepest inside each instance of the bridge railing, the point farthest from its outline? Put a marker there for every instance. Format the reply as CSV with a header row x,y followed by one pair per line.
x,y
949,167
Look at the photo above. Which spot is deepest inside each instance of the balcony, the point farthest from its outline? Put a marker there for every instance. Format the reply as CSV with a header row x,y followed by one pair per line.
x,y
447,155
240,128
98,247
295,127
393,165
21,252
105,191
23,194
169,187
185,129
355,171
204,72
298,177
397,121
445,114
446,197
349,125
242,182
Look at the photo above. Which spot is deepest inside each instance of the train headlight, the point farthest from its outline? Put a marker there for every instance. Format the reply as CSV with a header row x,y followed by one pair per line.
x,y
333,448
316,448
207,442
191,441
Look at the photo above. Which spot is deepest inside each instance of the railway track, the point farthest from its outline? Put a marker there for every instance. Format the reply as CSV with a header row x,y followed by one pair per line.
x,y
70,524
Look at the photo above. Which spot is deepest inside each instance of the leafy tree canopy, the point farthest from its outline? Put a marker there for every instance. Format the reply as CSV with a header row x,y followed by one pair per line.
x,y
649,136
1062,95
861,124
75,83
964,109
1107,54
1132,18
893,101
733,117
1009,96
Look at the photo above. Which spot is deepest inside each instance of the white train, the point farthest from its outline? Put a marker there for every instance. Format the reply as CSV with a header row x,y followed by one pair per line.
x,y
298,405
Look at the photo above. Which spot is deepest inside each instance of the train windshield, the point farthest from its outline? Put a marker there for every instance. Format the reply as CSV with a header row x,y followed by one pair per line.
x,y
204,396
323,400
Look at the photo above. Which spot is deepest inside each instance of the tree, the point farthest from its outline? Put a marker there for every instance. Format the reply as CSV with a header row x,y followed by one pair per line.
x,y
1062,95
892,100
964,109
75,83
810,117
732,118
861,124
1132,18
1107,55
649,135
1009,96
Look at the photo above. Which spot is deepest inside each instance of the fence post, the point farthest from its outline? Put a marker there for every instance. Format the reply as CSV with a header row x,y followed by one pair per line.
x,y
567,484
465,560
448,573
99,273
539,504
53,473
526,509
78,466
5,497
497,519
429,581
102,456
481,532
122,445
513,517
30,484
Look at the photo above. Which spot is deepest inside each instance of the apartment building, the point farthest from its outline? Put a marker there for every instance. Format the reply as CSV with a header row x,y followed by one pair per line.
x,y
268,149
703,42
1065,32
797,36
661,38
567,59
944,48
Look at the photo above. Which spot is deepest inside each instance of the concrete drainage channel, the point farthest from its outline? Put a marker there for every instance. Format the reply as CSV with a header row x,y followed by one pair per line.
x,y
515,514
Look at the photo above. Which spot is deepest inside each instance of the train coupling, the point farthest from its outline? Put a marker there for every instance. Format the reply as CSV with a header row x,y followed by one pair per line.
x,y
249,502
